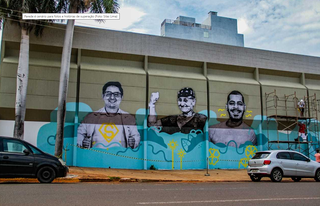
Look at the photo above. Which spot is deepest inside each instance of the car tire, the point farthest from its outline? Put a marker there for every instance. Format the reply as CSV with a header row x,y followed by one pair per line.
x,y
46,174
296,179
255,178
276,175
317,176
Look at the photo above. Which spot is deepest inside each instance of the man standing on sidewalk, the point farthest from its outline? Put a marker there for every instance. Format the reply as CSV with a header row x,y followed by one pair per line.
x,y
317,156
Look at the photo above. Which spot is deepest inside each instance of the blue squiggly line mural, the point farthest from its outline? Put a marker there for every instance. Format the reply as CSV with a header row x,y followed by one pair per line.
x,y
116,143
160,151
134,150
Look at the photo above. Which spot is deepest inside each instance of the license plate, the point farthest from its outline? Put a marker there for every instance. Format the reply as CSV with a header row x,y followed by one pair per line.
x,y
254,171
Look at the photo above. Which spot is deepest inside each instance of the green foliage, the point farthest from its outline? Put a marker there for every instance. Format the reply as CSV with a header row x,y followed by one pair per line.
x,y
93,6
13,9
152,167
114,178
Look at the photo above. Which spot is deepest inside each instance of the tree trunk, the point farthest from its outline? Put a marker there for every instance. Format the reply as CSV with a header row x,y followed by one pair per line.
x,y
22,83
63,87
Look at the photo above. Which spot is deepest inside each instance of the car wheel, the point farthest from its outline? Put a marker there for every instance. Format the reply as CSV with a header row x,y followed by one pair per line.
x,y
255,178
46,174
276,175
317,176
296,179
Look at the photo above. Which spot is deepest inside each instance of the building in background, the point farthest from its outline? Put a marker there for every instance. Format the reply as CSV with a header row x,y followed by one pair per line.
x,y
214,29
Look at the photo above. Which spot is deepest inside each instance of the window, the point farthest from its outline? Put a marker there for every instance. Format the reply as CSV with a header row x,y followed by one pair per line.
x,y
35,150
13,146
206,34
283,155
261,155
299,157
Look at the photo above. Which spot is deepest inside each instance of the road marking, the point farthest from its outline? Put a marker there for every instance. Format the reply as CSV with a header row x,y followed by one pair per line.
x,y
223,201
174,189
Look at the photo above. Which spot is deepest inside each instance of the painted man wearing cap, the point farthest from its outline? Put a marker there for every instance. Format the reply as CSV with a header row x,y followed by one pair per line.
x,y
185,122
234,129
109,126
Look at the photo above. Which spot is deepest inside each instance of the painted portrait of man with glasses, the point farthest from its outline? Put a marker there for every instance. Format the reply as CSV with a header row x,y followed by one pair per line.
x,y
109,126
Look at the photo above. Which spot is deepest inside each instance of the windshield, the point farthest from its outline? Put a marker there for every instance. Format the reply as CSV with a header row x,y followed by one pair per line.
x,y
261,155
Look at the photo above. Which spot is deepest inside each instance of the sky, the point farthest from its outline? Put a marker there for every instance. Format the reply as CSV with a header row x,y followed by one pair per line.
x,y
290,26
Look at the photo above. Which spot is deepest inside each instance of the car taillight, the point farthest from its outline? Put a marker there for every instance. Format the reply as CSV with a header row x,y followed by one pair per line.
x,y
267,162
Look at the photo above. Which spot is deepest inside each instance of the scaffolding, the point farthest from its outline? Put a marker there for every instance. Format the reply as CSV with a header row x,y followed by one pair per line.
x,y
284,112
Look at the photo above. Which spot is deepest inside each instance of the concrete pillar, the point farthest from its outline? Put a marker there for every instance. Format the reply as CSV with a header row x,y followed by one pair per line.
x,y
257,78
145,127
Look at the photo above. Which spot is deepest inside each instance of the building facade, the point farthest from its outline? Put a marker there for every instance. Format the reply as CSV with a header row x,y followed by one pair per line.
x,y
183,102
214,29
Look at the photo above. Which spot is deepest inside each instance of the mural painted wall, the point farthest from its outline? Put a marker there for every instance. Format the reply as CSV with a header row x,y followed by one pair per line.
x,y
235,117
177,116
125,111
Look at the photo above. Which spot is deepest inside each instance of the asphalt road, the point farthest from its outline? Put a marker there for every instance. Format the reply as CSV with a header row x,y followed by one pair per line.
x,y
124,194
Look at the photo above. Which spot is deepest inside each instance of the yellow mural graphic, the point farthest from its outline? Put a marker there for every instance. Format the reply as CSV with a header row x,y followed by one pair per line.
x,y
248,115
222,110
108,131
173,144
250,152
181,154
249,111
214,156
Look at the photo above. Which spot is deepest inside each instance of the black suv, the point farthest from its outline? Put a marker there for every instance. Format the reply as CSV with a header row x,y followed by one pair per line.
x,y
19,158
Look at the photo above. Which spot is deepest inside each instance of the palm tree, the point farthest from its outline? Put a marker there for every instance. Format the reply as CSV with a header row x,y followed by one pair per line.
x,y
12,10
74,6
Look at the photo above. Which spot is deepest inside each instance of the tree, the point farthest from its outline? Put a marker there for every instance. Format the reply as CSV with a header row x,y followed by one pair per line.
x,y
74,6
13,10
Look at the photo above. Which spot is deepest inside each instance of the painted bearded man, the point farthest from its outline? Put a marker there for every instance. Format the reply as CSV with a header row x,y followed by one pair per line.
x,y
234,128
185,122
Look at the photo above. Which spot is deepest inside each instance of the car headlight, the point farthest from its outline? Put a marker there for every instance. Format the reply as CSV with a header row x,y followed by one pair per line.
x,y
62,162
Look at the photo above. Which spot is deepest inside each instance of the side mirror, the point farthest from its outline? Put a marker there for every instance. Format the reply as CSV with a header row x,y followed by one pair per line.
x,y
26,151
308,160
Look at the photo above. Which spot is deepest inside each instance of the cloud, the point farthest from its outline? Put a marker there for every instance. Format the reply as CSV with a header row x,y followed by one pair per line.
x,y
278,25
243,27
128,16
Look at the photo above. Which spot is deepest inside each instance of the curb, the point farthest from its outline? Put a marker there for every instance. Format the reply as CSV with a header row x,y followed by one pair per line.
x,y
110,180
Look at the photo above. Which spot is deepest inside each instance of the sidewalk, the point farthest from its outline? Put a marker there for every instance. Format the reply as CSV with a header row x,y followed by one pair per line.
x,y
85,174
88,174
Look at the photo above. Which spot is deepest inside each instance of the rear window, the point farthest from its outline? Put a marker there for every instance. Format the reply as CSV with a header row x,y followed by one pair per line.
x,y
261,155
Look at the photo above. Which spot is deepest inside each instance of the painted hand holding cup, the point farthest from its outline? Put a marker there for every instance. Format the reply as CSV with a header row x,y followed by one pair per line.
x,y
154,97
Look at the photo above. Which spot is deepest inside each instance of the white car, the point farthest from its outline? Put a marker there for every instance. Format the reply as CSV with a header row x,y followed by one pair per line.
x,y
282,163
